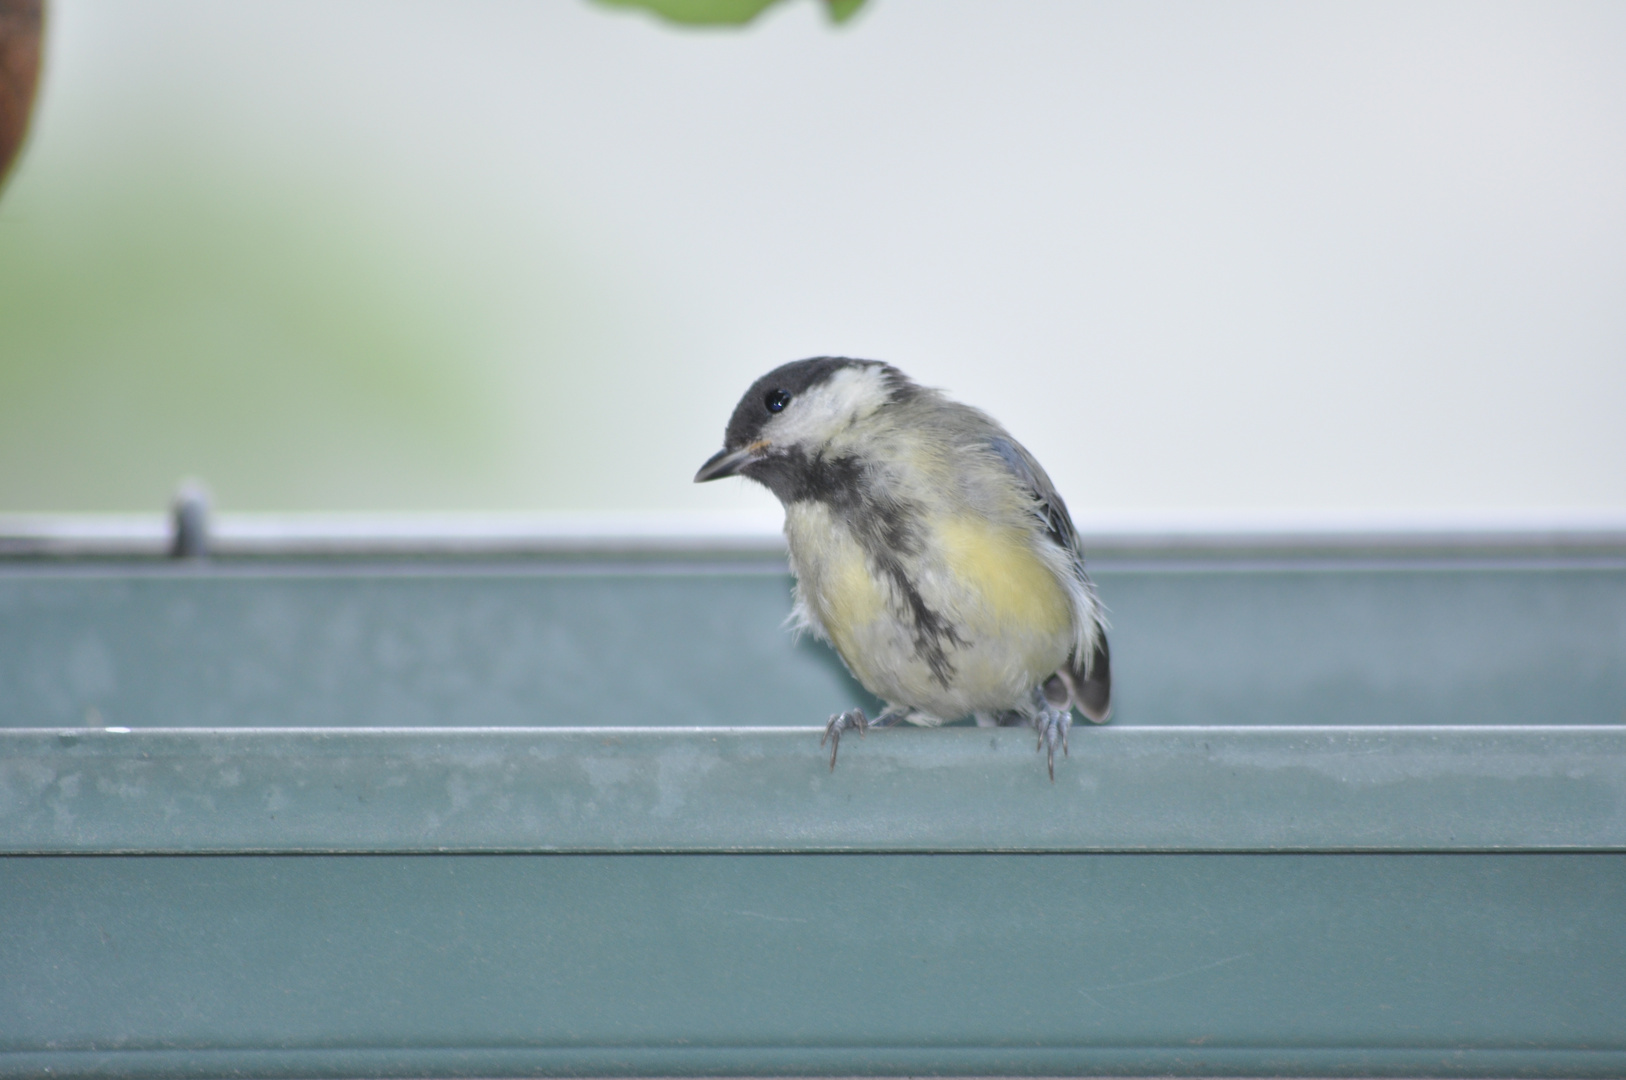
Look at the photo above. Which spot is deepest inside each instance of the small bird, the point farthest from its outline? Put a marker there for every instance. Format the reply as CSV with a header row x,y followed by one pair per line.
x,y
929,548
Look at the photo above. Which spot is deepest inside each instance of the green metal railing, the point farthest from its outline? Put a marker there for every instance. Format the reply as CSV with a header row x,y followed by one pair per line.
x,y
555,805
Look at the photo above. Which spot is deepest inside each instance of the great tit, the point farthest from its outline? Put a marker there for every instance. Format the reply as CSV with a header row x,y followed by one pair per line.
x,y
929,548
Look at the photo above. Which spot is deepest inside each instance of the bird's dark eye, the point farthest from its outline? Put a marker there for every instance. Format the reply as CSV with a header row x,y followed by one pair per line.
x,y
776,400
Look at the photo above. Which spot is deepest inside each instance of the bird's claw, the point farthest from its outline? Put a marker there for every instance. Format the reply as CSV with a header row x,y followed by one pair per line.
x,y
852,718
1053,725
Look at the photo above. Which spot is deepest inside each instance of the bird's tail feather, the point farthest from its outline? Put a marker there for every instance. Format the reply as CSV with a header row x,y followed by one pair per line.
x,y
1091,683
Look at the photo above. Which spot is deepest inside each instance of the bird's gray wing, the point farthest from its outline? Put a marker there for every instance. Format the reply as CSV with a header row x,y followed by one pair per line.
x,y
1047,502
1089,676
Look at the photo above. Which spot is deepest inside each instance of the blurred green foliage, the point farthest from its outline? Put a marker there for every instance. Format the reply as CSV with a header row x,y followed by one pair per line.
x,y
727,12
272,344
167,314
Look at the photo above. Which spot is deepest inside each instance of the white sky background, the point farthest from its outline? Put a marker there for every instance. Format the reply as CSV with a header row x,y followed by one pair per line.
x,y
1200,256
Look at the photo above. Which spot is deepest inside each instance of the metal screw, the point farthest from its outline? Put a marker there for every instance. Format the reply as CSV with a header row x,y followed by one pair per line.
x,y
189,521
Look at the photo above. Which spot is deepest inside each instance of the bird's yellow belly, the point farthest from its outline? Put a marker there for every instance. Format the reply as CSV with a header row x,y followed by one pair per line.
x,y
1015,616
1001,579
834,579
1011,618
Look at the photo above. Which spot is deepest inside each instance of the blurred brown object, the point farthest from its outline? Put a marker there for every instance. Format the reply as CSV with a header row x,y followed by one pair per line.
x,y
20,25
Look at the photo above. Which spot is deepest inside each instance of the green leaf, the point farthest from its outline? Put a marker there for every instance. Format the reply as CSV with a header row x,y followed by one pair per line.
x,y
725,12
700,12
842,10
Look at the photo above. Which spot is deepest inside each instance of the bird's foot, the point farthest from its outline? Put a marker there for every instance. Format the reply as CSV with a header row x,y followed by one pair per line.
x,y
1053,725
855,718
852,718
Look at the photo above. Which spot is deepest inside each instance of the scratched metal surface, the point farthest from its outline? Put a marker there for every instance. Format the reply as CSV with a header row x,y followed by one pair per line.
x,y
317,643
769,789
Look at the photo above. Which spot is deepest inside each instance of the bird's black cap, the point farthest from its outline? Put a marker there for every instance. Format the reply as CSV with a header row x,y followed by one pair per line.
x,y
793,378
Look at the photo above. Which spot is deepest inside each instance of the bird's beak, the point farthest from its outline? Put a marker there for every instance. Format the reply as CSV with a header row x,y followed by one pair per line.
x,y
726,462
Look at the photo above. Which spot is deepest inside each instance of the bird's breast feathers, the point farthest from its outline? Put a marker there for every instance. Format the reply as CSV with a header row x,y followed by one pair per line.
x,y
1009,619
998,580
836,592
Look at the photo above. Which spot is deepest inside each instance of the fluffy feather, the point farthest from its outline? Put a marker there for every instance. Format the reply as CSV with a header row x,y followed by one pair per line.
x,y
929,547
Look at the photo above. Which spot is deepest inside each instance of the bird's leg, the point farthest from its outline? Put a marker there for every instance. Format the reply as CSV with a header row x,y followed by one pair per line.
x,y
855,718
1053,723
852,718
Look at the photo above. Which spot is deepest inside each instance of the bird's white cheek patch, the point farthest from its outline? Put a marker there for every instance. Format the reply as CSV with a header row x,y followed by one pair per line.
x,y
824,411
